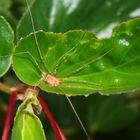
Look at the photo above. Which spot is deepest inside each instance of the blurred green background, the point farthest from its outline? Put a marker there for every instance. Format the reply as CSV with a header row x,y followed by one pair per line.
x,y
105,117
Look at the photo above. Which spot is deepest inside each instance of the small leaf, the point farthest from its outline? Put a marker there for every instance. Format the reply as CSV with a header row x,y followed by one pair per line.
x,y
78,63
6,45
26,124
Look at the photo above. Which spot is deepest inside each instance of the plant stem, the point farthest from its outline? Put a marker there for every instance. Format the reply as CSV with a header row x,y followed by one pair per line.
x,y
58,132
9,116
5,88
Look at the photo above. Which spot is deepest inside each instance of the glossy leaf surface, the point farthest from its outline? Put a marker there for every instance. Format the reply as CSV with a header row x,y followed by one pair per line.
x,y
82,63
6,45
64,15
26,124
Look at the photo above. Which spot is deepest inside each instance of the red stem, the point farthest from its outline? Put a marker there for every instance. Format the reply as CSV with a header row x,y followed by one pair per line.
x,y
9,116
57,131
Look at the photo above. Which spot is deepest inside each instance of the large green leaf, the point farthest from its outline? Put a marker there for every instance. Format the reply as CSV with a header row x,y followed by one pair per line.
x,y
64,15
98,113
6,45
26,124
82,63
112,114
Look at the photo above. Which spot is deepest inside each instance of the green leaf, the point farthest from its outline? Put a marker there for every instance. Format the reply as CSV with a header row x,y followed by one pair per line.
x,y
82,63
6,45
26,124
98,113
113,114
5,4
64,15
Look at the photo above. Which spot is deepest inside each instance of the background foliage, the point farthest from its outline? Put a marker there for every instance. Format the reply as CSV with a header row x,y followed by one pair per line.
x,y
106,117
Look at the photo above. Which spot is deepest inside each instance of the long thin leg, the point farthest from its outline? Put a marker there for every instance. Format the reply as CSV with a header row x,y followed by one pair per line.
x,y
36,40
63,56
76,114
34,61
